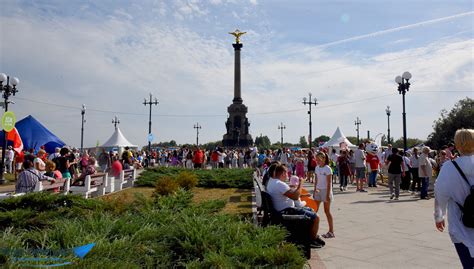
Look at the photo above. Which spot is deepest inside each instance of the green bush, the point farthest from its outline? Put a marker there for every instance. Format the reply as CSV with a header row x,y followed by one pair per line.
x,y
166,186
187,180
165,232
215,178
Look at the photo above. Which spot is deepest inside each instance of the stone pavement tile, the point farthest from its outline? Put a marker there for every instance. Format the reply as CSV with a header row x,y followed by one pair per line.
x,y
343,262
433,260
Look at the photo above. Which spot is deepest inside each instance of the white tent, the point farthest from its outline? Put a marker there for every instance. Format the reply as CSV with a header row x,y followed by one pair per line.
x,y
337,138
117,140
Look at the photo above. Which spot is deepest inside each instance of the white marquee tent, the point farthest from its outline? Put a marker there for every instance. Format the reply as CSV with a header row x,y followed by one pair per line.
x,y
118,140
337,138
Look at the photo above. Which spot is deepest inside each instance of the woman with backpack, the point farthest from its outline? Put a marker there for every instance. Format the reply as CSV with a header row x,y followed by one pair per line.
x,y
454,191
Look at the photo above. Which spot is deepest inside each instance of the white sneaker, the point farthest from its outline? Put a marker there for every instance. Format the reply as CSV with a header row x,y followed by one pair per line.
x,y
396,198
391,196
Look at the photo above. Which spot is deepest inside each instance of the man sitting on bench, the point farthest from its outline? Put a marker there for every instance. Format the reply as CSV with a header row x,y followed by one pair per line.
x,y
283,199
29,177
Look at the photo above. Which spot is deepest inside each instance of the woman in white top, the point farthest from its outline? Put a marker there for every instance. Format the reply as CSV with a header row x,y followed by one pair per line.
x,y
416,182
323,189
450,190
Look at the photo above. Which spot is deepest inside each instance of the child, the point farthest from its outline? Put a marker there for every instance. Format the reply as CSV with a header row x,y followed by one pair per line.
x,y
323,189
294,181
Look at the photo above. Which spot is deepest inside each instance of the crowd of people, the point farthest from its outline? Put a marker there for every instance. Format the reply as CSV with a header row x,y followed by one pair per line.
x,y
454,187
285,170
66,164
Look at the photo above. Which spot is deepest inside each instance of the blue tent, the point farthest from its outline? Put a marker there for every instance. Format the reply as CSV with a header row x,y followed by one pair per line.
x,y
34,135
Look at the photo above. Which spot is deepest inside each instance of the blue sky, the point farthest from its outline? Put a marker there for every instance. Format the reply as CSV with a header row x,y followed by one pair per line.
x,y
110,54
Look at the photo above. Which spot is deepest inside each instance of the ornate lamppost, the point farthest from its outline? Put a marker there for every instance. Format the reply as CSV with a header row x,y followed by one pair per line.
x,y
83,112
8,90
403,87
388,111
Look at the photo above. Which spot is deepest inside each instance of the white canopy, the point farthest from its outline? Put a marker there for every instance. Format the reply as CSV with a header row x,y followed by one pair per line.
x,y
337,138
117,140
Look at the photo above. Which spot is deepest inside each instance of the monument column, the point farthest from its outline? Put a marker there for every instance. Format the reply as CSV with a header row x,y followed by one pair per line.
x,y
237,123
237,93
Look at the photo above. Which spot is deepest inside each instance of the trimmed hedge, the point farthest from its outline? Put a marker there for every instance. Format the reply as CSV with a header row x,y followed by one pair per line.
x,y
163,232
215,178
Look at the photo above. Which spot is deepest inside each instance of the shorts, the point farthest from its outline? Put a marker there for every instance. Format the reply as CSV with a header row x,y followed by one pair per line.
x,y
321,195
360,172
304,211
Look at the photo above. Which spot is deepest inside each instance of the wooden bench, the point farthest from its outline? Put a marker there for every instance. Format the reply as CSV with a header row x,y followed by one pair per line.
x,y
42,186
298,227
94,185
126,179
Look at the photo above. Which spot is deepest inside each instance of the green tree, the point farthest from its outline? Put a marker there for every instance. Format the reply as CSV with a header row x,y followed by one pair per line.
x,y
303,143
321,138
410,142
211,145
262,142
353,139
461,116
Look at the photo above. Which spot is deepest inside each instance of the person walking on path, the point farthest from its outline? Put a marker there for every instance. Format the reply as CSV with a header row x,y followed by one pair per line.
x,y
359,158
396,170
425,171
451,191
414,160
344,170
323,189
405,185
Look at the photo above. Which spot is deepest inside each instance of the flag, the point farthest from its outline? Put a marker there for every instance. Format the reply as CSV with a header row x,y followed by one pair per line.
x,y
14,136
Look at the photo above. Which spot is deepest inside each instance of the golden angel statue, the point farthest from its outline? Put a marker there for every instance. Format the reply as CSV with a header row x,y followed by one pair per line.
x,y
237,35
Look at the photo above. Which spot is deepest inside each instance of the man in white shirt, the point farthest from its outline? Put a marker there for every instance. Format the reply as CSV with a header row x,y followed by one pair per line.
x,y
10,155
283,197
425,171
55,154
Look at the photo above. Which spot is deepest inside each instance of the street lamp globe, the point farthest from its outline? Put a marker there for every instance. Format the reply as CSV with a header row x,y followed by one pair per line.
x,y
406,75
15,81
3,77
398,79
388,110
304,99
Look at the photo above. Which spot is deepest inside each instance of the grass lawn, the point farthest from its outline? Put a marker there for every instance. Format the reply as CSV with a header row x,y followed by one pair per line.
x,y
238,201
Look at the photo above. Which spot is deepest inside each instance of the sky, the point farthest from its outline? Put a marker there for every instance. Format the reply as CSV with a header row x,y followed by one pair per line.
x,y
111,54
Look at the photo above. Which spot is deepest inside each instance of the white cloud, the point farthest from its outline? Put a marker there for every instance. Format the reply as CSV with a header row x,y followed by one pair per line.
x,y
113,65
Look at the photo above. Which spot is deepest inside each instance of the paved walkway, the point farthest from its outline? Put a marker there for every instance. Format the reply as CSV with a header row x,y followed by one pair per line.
x,y
374,232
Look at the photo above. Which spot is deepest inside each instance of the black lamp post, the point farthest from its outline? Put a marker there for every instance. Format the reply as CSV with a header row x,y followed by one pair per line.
x,y
8,89
403,87
310,102
83,112
388,111
281,127
197,127
150,103
357,122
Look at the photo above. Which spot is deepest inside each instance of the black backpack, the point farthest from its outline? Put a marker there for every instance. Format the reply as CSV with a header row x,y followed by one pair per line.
x,y
468,208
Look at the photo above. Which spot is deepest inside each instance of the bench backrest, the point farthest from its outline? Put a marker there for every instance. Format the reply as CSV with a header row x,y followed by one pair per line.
x,y
129,174
98,179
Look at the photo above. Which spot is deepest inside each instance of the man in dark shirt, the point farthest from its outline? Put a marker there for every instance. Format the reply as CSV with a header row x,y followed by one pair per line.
x,y
395,171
